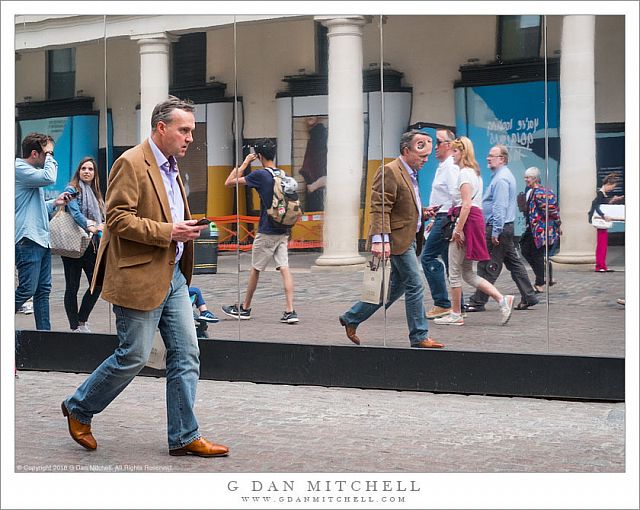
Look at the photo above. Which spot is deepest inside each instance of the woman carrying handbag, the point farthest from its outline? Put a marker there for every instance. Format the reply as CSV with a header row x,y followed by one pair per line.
x,y
609,183
88,211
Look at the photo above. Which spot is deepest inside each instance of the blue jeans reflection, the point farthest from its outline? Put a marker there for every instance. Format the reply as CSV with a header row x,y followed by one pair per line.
x,y
406,278
33,263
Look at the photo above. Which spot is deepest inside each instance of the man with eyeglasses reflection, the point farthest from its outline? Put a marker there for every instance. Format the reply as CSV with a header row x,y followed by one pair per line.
x,y
396,221
440,201
499,208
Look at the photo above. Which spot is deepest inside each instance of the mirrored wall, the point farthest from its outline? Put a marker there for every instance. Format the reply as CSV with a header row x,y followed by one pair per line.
x,y
332,96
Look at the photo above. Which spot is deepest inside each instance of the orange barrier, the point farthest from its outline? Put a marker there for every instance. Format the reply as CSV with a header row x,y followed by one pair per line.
x,y
237,232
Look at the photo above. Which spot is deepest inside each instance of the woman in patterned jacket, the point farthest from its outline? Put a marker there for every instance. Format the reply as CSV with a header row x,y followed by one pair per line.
x,y
540,209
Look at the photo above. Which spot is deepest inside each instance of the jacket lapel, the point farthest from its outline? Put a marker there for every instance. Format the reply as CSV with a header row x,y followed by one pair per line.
x,y
156,179
407,180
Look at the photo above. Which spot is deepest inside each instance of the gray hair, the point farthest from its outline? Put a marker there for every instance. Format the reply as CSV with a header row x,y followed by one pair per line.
x,y
504,152
407,138
447,133
162,111
534,172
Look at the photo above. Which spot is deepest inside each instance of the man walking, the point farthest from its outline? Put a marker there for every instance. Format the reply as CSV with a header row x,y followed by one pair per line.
x,y
440,201
35,170
144,264
499,208
270,243
396,218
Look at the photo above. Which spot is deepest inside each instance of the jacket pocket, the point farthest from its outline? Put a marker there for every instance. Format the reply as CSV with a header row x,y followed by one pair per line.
x,y
400,224
135,260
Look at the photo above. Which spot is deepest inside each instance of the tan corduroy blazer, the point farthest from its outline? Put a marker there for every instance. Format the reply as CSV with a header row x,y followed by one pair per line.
x,y
400,215
136,259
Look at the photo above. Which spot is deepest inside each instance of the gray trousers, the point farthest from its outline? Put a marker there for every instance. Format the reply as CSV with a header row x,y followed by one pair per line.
x,y
504,255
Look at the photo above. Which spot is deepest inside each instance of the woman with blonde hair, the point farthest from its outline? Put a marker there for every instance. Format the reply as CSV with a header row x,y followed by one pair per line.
x,y
88,211
468,242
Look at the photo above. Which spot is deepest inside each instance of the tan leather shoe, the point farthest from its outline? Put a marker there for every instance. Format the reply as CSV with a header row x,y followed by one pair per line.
x,y
201,448
429,343
80,432
351,332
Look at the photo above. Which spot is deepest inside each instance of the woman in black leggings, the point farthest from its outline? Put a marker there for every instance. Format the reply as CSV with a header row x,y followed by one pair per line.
x,y
88,211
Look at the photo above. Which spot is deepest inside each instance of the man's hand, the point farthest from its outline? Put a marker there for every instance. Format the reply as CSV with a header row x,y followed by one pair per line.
x,y
495,241
186,231
48,147
377,249
429,212
250,157
62,199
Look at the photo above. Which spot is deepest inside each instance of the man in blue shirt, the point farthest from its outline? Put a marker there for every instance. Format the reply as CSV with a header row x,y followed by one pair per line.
x,y
271,241
499,208
35,170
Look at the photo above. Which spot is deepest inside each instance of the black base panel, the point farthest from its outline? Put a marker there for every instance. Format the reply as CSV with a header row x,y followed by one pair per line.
x,y
441,371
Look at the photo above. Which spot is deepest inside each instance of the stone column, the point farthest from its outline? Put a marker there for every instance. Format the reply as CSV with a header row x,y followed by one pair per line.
x,y
344,144
154,75
577,139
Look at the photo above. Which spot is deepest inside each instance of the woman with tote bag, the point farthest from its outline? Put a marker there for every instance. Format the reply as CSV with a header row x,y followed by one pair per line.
x,y
88,211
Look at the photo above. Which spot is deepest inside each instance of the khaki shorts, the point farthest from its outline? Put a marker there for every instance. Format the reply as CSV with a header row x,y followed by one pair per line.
x,y
267,247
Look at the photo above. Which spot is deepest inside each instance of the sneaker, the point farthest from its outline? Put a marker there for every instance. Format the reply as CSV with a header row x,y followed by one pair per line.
x,y
438,311
208,316
26,309
506,309
83,328
232,311
289,317
451,319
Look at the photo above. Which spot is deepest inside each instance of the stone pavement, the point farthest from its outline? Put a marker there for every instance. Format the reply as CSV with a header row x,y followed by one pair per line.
x,y
583,317
280,428
304,434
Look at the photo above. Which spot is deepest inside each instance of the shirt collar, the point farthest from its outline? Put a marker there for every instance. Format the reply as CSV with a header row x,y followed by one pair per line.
x,y
161,160
411,171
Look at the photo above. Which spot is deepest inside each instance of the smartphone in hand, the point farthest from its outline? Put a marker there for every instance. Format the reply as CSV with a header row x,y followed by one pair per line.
x,y
203,221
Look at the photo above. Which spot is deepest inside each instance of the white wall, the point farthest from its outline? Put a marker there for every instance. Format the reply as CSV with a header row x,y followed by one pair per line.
x,y
31,76
428,49
610,69
266,53
123,89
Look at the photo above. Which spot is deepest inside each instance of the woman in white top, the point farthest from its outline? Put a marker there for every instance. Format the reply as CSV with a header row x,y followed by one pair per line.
x,y
468,242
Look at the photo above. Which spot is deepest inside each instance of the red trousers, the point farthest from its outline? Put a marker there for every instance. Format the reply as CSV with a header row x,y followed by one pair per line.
x,y
602,242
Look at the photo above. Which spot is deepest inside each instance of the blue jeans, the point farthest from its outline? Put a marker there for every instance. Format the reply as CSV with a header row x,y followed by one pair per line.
x,y
405,279
136,329
33,263
434,270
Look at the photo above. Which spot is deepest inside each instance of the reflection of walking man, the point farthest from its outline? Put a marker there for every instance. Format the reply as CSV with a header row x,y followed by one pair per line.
x,y
396,217
442,191
499,208
145,260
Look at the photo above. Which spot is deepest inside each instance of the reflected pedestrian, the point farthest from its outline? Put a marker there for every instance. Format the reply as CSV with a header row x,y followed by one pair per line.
x,y
541,237
396,220
468,242
88,211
